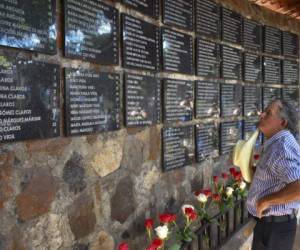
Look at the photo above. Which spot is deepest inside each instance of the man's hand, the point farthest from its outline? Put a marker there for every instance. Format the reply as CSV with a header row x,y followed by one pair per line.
x,y
261,206
290,193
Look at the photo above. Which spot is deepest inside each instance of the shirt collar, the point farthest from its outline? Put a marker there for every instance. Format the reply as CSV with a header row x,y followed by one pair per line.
x,y
278,135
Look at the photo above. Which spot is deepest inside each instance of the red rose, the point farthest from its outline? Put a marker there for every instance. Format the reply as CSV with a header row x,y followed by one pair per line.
x,y
224,176
238,176
188,210
207,192
190,213
215,178
167,218
197,193
216,197
232,171
156,243
192,216
149,223
173,218
256,157
235,175
123,246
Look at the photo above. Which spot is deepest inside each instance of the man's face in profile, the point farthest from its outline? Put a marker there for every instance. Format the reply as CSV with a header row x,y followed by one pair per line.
x,y
270,122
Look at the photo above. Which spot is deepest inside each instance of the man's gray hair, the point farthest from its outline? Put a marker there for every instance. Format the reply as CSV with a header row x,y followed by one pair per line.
x,y
289,113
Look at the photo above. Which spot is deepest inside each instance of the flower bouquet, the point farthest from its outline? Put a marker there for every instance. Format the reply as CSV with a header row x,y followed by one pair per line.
x,y
226,189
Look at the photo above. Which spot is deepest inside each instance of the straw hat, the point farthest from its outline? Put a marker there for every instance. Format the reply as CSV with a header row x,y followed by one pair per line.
x,y
242,155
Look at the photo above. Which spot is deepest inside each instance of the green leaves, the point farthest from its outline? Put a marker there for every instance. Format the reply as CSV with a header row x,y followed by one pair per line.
x,y
203,215
175,247
185,235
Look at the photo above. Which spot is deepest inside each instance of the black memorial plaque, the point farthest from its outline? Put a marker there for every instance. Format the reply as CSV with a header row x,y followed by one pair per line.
x,y
272,70
29,25
290,44
208,59
252,35
250,126
207,140
290,72
178,147
178,13
92,101
270,94
252,67
291,95
272,40
148,7
141,48
207,18
252,100
29,100
178,100
207,99
230,133
177,52
142,100
231,100
91,31
231,26
231,63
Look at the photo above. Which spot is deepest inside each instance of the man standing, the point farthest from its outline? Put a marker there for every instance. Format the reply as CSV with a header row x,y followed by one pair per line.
x,y
274,193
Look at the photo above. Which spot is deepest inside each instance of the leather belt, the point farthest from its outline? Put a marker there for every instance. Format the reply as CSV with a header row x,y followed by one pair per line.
x,y
281,218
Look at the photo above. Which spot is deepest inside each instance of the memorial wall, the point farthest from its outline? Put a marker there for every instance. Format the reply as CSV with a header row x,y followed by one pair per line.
x,y
238,50
103,85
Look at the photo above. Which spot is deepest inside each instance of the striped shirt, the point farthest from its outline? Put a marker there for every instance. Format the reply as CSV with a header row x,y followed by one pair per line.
x,y
279,165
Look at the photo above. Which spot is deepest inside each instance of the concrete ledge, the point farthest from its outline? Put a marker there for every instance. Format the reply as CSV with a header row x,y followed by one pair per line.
x,y
242,239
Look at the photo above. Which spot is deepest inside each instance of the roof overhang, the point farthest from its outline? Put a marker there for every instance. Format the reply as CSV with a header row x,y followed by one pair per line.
x,y
290,8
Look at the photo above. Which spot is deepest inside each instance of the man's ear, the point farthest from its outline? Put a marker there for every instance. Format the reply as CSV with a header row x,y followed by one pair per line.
x,y
284,123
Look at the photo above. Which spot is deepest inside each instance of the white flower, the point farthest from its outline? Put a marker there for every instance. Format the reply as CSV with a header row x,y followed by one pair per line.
x,y
202,198
242,185
229,191
162,232
186,206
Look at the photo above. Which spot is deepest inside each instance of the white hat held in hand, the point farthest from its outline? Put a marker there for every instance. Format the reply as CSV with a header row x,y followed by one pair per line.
x,y
242,155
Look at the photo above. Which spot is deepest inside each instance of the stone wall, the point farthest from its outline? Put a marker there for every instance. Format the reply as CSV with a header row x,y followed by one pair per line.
x,y
91,192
